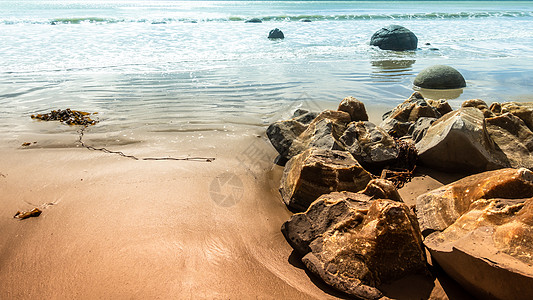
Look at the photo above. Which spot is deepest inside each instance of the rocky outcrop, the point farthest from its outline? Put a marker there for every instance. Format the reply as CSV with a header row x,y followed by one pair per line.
x,y
276,34
440,208
394,37
315,172
459,141
355,243
355,108
483,232
370,145
440,77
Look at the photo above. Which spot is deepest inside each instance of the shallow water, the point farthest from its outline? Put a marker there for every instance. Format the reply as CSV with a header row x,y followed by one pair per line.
x,y
158,69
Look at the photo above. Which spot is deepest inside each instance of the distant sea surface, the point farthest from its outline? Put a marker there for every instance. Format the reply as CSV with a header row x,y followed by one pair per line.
x,y
154,68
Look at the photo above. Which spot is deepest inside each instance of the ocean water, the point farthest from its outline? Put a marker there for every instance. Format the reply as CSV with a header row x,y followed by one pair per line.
x,y
155,70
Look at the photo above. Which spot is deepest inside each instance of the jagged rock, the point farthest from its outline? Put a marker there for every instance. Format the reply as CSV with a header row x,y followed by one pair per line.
x,y
394,37
398,121
459,141
323,133
489,249
276,34
523,110
418,129
315,172
439,77
281,135
481,105
355,244
304,116
382,189
370,145
513,137
355,108
496,108
440,208
442,106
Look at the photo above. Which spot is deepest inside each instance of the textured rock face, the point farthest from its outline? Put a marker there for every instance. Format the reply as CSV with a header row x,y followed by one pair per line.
x,y
484,236
522,110
370,145
419,129
440,77
513,137
315,172
276,34
354,244
398,122
355,108
479,104
459,141
440,208
323,133
283,133
394,37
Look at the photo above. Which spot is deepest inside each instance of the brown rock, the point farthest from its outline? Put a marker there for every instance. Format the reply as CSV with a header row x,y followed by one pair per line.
x,y
355,244
440,208
355,108
442,106
315,172
382,189
523,110
459,142
479,104
281,135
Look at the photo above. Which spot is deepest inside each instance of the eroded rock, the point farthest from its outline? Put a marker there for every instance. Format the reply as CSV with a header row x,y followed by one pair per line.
x,y
355,244
523,110
315,172
355,108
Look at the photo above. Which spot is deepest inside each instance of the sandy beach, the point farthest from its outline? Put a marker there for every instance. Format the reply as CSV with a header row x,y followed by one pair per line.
x,y
114,227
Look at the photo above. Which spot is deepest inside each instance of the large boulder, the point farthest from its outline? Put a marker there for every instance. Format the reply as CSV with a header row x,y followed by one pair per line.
x,y
398,122
440,208
355,108
482,232
513,137
370,145
315,172
355,243
394,37
440,77
459,142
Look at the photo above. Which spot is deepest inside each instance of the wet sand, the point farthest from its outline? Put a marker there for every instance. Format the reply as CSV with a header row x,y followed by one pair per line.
x,y
113,227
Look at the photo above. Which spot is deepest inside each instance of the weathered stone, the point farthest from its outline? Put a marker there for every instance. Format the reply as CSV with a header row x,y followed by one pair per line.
x,y
514,138
382,189
420,127
479,104
304,116
281,135
459,141
369,144
440,208
323,133
489,249
355,108
315,172
399,120
440,77
523,110
253,20
276,34
496,108
394,37
355,244
442,106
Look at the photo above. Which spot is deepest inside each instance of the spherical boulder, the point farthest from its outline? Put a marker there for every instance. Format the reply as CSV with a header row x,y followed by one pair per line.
x,y
440,77
276,34
394,37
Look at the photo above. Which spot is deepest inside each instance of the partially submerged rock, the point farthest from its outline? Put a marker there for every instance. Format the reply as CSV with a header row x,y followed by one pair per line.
x,y
459,141
276,34
394,37
355,244
440,77
315,172
253,20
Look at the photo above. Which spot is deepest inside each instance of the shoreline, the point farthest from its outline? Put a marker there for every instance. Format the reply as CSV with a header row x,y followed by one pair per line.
x,y
113,226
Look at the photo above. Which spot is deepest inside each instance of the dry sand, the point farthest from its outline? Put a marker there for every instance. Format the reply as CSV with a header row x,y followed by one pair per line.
x,y
113,227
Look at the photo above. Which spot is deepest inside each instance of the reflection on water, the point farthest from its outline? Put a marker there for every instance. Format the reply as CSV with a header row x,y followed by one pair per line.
x,y
439,94
391,70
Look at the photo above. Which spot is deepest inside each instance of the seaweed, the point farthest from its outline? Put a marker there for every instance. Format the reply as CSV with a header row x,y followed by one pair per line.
x,y
67,116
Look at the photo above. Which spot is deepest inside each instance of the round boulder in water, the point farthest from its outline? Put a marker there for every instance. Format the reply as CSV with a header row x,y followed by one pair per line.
x,y
394,37
253,20
440,77
276,34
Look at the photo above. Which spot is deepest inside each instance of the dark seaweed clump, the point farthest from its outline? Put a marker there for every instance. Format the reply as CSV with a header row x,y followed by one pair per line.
x,y
67,116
